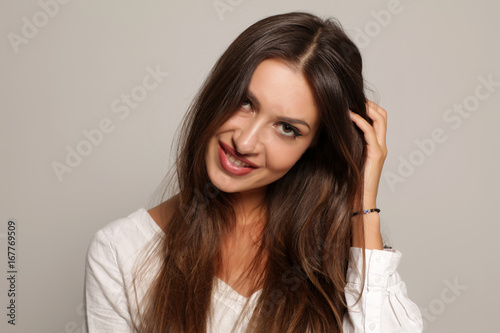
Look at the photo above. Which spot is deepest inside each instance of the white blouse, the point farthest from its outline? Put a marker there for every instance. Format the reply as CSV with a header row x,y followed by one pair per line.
x,y
111,303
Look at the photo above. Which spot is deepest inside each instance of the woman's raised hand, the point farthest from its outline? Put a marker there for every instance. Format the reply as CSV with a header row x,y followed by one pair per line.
x,y
375,156
376,149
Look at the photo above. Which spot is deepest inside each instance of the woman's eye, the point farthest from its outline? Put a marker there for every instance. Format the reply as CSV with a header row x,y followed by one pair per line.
x,y
288,130
247,105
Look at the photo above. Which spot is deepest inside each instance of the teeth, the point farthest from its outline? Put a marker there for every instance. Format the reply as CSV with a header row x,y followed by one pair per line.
x,y
236,162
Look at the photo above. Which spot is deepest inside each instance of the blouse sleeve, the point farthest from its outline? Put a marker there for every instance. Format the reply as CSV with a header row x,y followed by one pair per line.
x,y
384,305
106,306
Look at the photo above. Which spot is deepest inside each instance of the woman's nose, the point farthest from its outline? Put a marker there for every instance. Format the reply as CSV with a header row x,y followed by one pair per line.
x,y
247,137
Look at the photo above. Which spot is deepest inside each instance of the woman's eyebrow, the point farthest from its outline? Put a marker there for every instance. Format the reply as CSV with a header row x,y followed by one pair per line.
x,y
294,121
254,99
256,103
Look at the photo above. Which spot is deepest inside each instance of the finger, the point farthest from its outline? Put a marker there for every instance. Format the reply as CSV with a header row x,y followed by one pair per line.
x,y
368,130
379,118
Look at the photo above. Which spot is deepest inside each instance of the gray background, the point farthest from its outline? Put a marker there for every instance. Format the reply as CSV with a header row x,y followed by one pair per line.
x,y
440,209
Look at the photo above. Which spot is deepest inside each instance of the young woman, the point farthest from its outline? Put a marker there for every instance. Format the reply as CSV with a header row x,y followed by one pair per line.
x,y
273,225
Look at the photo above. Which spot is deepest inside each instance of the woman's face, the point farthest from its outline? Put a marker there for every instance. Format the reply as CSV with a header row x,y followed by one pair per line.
x,y
268,133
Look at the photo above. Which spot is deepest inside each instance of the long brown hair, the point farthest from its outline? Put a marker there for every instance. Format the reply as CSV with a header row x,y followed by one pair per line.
x,y
308,230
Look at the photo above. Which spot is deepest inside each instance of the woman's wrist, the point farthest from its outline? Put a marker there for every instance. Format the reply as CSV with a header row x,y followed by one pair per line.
x,y
367,227
367,211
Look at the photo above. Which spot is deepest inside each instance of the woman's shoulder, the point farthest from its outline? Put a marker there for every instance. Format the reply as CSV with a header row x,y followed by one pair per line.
x,y
131,231
127,235
141,222
162,213
113,256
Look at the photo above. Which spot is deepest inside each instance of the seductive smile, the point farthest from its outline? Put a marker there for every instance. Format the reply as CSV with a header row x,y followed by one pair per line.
x,y
236,162
236,166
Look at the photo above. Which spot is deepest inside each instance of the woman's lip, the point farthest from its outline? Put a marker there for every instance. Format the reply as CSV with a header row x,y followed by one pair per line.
x,y
230,167
231,151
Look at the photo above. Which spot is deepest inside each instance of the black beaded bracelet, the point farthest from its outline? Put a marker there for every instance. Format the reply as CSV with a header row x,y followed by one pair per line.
x,y
367,211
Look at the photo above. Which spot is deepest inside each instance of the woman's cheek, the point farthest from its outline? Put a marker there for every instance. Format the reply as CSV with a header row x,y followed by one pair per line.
x,y
282,158
230,123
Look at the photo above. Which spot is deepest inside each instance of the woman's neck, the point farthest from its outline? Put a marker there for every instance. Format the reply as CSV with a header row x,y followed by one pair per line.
x,y
249,207
242,244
